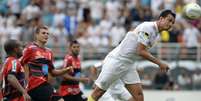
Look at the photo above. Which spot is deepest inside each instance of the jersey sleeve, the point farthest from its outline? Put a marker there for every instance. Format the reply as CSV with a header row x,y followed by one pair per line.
x,y
51,65
67,61
98,65
144,38
27,52
13,67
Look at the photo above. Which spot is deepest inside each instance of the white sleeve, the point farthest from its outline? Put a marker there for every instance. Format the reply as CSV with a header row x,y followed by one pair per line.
x,y
98,65
144,38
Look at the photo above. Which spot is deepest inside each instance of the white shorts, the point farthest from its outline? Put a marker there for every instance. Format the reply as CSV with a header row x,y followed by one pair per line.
x,y
114,69
118,91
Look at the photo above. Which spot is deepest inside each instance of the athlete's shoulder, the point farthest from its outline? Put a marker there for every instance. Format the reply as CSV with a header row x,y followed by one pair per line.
x,y
147,24
10,59
10,62
145,27
48,49
69,57
31,46
7,61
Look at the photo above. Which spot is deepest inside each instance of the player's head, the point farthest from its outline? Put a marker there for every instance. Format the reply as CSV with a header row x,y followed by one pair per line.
x,y
41,34
75,47
166,20
13,47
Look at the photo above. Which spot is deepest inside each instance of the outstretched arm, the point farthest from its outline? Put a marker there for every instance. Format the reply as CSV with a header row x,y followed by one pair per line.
x,y
142,51
80,79
58,72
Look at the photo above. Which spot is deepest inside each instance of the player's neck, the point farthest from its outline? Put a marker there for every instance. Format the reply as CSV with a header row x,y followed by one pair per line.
x,y
12,55
40,44
73,55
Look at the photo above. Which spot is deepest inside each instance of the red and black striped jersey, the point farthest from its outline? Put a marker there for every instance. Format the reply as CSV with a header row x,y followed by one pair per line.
x,y
70,87
39,61
12,66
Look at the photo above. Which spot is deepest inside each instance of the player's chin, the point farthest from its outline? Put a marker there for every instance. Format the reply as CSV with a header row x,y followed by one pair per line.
x,y
167,29
44,41
170,29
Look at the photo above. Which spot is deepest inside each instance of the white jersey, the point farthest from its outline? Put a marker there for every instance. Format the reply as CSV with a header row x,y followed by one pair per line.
x,y
146,33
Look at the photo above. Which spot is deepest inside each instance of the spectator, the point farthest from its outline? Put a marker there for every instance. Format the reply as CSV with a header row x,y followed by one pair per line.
x,y
31,11
196,79
71,22
184,80
116,34
160,80
192,39
69,88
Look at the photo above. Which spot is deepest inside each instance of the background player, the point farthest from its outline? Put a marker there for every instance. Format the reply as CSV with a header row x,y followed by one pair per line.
x,y
118,63
69,88
13,73
39,61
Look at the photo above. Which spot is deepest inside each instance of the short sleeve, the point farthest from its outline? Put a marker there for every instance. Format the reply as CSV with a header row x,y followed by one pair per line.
x,y
26,56
67,61
14,67
98,65
144,38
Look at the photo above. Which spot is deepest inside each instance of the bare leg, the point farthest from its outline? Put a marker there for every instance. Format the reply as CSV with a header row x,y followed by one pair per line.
x,y
136,91
131,99
97,93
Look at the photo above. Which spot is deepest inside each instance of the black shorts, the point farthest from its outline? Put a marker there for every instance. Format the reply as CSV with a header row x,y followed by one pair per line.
x,y
77,97
44,92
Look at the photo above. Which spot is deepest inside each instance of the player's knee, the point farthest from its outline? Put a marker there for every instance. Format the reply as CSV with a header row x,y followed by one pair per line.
x,y
140,93
139,96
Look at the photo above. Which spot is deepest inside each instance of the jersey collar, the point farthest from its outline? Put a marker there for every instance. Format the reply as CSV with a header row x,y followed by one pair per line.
x,y
156,27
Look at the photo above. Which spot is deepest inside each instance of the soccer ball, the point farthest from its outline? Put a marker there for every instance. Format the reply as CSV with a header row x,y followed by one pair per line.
x,y
192,11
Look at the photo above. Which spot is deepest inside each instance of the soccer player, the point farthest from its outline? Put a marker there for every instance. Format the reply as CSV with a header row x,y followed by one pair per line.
x,y
118,63
38,62
116,91
13,84
69,88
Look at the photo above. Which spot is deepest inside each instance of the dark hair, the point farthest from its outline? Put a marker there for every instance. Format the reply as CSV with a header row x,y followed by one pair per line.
x,y
10,45
37,30
74,42
166,12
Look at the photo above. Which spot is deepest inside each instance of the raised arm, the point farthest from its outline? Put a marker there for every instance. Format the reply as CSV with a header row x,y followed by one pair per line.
x,y
142,51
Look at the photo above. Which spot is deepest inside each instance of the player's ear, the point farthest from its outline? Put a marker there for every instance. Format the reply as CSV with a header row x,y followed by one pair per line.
x,y
160,18
15,49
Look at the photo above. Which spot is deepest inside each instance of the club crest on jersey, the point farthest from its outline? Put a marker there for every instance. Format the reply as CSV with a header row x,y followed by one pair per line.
x,y
145,35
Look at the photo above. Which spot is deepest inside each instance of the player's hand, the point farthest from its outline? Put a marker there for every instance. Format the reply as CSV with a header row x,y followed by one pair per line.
x,y
164,67
70,69
26,97
84,79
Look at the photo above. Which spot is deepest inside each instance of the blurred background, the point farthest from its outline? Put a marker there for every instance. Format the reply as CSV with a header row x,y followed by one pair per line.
x,y
99,26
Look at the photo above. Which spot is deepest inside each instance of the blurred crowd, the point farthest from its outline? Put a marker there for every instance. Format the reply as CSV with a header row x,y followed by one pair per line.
x,y
98,23
176,79
105,21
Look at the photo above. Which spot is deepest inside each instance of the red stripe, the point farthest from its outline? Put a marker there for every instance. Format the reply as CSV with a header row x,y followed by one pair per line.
x,y
34,70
